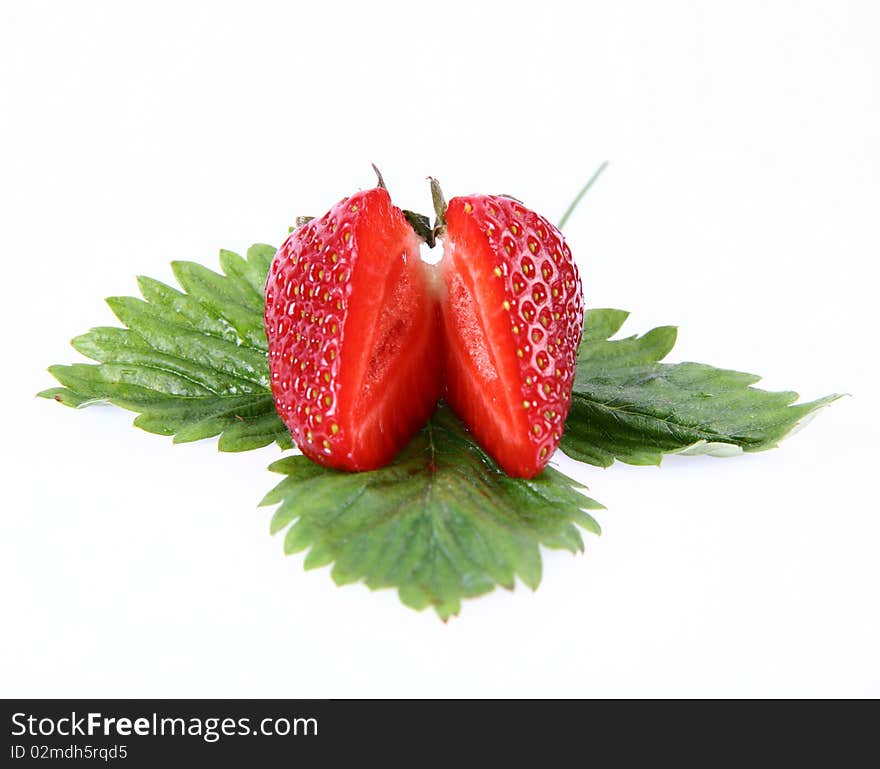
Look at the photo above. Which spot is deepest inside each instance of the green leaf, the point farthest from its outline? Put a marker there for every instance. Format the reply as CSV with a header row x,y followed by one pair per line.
x,y
602,324
627,405
192,363
440,524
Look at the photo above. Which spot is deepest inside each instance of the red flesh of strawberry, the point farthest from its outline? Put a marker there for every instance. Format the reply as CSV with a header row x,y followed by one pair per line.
x,y
512,318
352,329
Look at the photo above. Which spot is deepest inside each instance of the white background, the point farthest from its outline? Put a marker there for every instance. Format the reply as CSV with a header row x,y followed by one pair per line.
x,y
741,204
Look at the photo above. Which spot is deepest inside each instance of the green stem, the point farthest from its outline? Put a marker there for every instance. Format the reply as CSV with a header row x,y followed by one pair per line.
x,y
574,203
381,181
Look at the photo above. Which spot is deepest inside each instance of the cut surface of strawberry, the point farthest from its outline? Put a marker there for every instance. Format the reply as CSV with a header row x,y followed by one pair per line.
x,y
512,315
352,330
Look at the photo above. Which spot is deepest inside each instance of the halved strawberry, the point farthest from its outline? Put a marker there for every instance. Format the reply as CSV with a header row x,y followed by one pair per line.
x,y
512,317
352,329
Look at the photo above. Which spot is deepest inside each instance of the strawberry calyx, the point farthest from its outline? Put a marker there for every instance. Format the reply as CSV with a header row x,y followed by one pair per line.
x,y
421,224
439,201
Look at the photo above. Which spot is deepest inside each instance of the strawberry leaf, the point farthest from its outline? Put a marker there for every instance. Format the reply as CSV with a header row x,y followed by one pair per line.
x,y
442,522
192,363
439,524
627,405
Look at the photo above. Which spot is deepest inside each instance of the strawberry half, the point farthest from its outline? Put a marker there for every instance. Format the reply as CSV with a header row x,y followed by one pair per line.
x,y
352,328
512,317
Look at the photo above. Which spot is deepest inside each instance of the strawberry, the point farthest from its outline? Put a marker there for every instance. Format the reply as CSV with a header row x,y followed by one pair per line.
x,y
512,320
352,327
